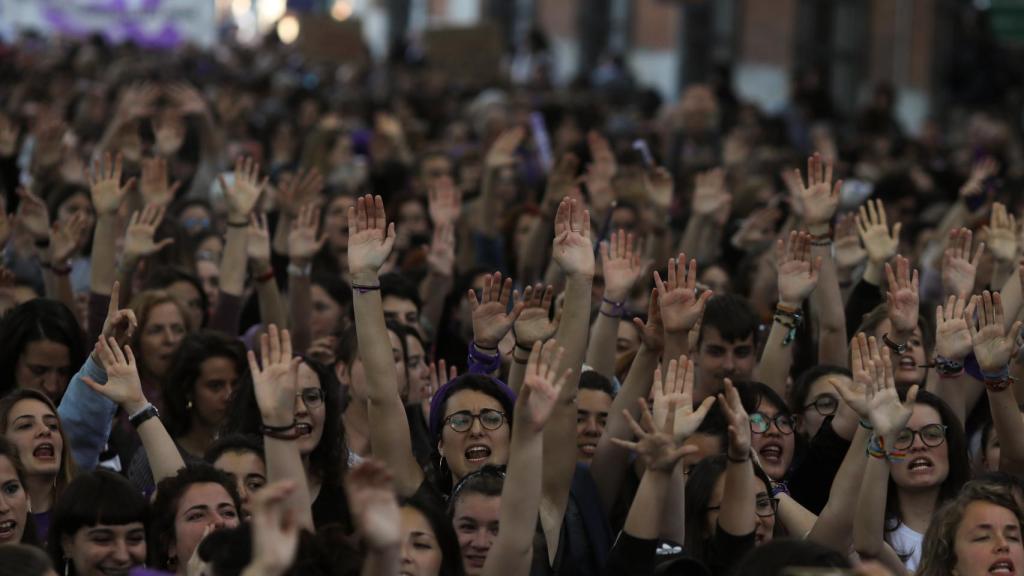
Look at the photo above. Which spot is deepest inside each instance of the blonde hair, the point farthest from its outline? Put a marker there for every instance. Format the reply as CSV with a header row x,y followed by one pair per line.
x,y
142,305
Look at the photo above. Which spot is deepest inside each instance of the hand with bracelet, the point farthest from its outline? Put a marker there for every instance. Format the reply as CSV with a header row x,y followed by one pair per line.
x,y
818,196
620,262
952,337
958,267
738,421
123,385
902,300
492,319
798,273
370,241
275,383
257,247
993,345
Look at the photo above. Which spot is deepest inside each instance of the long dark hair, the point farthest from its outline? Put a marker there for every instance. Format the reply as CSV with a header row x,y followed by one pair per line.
x,y
179,387
329,459
98,497
699,487
441,524
68,470
959,465
10,451
38,319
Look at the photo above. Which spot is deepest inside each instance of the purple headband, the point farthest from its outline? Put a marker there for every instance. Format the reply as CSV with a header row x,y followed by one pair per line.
x,y
442,394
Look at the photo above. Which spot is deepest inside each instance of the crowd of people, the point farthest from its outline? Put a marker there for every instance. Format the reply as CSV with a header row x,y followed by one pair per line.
x,y
266,316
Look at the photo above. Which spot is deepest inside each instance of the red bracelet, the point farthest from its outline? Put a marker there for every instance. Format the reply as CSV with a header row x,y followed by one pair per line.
x,y
266,276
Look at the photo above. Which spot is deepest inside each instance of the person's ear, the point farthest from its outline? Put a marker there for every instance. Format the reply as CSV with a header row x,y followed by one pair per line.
x,y
341,370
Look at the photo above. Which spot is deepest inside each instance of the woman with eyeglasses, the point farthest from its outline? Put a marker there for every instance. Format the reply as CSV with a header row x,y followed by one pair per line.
x,y
812,398
729,507
918,461
772,427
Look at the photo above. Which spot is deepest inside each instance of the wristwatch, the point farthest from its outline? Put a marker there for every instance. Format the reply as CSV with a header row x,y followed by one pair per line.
x,y
898,348
148,411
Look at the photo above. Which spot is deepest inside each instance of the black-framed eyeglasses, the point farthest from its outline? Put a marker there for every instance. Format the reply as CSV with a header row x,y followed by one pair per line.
x,y
487,470
760,423
462,420
311,397
826,405
764,507
931,435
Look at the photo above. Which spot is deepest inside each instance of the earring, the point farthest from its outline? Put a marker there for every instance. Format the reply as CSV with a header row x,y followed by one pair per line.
x,y
188,405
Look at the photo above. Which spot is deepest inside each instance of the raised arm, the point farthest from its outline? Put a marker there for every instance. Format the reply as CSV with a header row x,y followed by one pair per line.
x,y
275,383
561,183
849,254
798,277
275,532
512,553
903,300
502,154
303,244
107,195
240,198
124,388
65,240
371,239
377,517
820,198
993,346
608,467
679,304
445,207
534,324
888,417
952,346
1003,243
736,515
139,243
574,253
258,249
620,262
492,318
703,228
879,241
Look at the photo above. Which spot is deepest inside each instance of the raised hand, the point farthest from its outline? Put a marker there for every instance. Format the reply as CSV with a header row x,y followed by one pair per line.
x,y
168,132
738,421
48,132
491,316
440,375
561,183
275,383
257,245
980,172
902,296
370,237
656,446
187,98
275,529
855,393
887,414
660,187
120,324
993,345
371,496
1002,234
503,150
874,231
952,334
105,184
958,268
154,185
534,323
710,200
441,255
137,101
444,201
680,306
676,390
138,239
572,249
32,216
818,195
297,190
652,332
757,229
244,191
123,386
848,252
303,243
67,238
620,262
541,384
798,273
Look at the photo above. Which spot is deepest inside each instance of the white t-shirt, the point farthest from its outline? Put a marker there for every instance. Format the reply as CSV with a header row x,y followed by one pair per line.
x,y
906,541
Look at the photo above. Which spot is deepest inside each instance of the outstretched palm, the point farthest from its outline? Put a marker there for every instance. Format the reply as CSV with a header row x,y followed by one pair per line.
x,y
275,381
370,237
542,383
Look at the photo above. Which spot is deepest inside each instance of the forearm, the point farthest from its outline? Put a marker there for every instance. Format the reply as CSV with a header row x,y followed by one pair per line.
x,y
1012,298
1009,426
776,360
517,371
269,297
601,348
797,520
86,416
869,517
645,515
285,463
164,458
102,265
953,391
827,305
279,244
736,515
673,520
676,345
233,261
488,207
300,308
512,552
693,234
532,262
58,287
434,291
382,562
608,468
835,523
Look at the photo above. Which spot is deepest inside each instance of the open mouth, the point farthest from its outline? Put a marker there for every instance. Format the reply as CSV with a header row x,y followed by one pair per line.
x,y
1004,566
45,451
771,454
588,448
111,571
475,560
7,529
907,363
303,429
477,454
919,464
